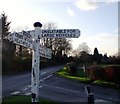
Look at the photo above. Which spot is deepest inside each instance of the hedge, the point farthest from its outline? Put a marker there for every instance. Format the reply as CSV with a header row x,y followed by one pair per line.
x,y
108,73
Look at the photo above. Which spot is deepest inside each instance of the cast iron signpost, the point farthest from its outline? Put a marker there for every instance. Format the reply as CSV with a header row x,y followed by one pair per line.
x,y
31,39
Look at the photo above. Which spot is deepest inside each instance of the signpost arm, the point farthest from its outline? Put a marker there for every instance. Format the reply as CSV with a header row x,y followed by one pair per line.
x,y
35,65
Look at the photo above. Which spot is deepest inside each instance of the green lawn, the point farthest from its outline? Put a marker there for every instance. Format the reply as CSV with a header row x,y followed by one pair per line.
x,y
107,84
25,100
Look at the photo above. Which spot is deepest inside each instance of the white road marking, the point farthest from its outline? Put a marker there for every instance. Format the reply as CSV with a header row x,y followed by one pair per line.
x,y
39,81
25,89
40,86
62,88
43,73
28,93
46,78
113,99
101,100
29,86
15,93
49,71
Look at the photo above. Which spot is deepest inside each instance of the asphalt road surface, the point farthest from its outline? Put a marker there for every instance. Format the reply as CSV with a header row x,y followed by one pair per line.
x,y
56,88
11,83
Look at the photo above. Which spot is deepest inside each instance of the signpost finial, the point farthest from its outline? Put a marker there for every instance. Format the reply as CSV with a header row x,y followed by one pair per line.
x,y
37,24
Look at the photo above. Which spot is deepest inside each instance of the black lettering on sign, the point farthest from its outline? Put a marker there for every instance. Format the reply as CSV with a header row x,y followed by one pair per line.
x,y
57,35
64,31
17,40
28,39
38,37
27,34
44,31
18,36
47,35
59,31
25,39
74,35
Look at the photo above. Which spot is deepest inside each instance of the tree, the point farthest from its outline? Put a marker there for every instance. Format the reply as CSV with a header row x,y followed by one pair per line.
x,y
97,56
81,48
83,56
82,53
59,47
84,47
96,51
8,48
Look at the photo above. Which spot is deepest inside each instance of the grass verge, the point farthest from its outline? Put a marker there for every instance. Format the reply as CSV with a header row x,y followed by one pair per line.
x,y
65,74
81,79
107,84
22,99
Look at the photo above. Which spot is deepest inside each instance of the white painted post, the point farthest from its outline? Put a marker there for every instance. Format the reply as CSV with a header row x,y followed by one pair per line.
x,y
35,64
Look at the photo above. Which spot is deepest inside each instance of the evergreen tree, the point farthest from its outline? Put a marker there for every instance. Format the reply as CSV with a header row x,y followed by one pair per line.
x,y
8,48
97,56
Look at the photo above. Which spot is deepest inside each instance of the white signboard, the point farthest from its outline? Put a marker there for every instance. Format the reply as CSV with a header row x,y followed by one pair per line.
x,y
45,52
61,33
22,38
58,33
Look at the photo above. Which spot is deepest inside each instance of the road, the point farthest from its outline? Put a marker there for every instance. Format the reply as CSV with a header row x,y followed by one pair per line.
x,y
11,83
56,88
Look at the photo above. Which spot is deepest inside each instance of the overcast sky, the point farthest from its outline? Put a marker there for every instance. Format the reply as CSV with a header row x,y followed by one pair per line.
x,y
97,21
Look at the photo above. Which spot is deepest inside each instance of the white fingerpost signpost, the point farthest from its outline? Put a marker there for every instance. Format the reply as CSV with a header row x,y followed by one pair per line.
x,y
31,40
35,64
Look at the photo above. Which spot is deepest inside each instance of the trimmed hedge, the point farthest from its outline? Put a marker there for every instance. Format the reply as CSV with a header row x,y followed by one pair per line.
x,y
108,73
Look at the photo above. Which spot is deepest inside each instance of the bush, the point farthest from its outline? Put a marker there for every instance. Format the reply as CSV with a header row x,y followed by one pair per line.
x,y
22,64
112,73
94,73
72,68
47,63
80,72
106,73
16,65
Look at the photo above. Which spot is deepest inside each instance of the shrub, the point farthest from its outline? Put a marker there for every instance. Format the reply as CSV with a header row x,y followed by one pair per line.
x,y
80,72
92,72
47,63
106,73
112,73
72,68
